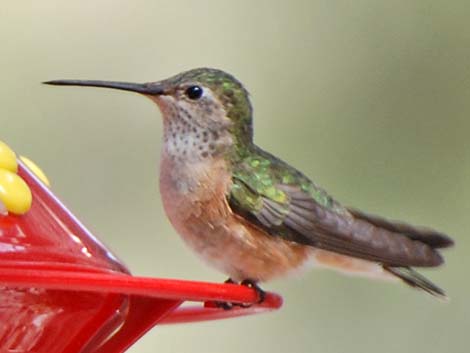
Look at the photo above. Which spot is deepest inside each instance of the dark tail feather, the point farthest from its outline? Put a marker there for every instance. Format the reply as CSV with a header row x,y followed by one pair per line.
x,y
414,279
425,235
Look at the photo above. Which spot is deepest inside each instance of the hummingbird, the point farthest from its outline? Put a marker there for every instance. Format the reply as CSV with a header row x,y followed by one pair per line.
x,y
253,216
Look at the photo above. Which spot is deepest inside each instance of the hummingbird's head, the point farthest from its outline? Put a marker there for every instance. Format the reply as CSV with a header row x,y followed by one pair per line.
x,y
210,99
201,101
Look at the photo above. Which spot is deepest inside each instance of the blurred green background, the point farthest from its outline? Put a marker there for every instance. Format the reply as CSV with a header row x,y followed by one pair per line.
x,y
369,98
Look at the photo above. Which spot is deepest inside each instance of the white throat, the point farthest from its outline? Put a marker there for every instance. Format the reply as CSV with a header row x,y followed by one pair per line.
x,y
190,137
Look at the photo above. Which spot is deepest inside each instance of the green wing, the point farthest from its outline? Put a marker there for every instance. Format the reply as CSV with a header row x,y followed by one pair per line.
x,y
285,203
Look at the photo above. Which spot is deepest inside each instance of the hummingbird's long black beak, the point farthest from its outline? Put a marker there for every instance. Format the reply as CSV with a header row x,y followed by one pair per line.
x,y
152,88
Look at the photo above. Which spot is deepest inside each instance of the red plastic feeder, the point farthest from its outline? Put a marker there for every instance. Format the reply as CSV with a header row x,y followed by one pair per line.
x,y
62,291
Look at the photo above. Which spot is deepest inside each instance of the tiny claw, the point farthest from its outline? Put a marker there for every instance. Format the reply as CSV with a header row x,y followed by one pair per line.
x,y
224,305
252,284
247,283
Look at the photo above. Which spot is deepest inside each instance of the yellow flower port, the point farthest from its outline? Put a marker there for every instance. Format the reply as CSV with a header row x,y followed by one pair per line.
x,y
15,195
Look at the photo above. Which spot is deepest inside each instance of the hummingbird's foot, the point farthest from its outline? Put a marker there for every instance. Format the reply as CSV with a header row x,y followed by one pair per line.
x,y
225,305
248,283
230,281
252,284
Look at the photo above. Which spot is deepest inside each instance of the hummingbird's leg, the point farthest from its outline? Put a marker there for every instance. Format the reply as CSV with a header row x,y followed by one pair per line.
x,y
248,283
252,284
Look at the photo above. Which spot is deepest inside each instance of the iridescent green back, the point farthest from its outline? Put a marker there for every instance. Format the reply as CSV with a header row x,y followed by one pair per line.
x,y
259,174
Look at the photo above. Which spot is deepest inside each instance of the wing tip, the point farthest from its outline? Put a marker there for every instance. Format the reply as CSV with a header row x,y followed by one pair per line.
x,y
445,241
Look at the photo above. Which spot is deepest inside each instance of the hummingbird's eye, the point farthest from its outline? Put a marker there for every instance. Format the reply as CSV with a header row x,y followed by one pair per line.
x,y
194,92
